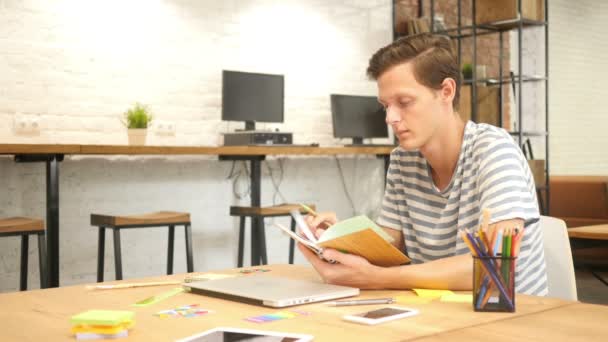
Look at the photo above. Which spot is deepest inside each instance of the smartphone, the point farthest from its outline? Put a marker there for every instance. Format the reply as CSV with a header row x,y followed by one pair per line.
x,y
381,315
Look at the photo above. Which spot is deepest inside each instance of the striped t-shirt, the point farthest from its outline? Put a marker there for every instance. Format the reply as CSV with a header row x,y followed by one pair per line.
x,y
492,173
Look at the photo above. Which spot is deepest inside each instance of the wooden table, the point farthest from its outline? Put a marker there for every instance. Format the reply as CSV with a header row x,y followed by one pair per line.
x,y
574,322
51,155
43,315
595,232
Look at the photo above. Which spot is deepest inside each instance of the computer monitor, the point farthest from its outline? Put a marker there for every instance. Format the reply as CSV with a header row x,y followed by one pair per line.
x,y
358,117
252,97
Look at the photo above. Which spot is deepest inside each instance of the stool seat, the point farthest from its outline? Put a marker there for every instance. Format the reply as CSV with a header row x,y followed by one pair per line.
x,y
258,239
169,219
156,218
276,210
19,225
24,227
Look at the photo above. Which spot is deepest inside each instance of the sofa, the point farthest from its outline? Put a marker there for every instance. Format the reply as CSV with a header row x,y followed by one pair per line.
x,y
579,200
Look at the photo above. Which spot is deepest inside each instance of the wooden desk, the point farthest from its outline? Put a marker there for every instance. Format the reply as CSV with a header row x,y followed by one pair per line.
x,y
595,232
43,315
574,322
51,155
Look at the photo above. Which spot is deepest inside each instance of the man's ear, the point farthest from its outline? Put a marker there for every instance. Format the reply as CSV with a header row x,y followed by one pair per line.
x,y
448,90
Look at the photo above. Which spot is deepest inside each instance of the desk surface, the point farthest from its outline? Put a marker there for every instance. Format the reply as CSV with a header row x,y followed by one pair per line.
x,y
595,232
189,150
576,322
49,312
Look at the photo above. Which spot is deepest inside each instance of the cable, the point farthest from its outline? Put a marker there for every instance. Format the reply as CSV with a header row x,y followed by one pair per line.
x,y
275,184
350,200
235,176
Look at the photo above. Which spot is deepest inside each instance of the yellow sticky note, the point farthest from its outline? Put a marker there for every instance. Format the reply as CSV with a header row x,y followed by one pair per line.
x,y
457,298
412,300
426,293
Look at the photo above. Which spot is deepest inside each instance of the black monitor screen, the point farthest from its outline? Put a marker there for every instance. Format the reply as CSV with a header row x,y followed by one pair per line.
x,y
252,97
358,117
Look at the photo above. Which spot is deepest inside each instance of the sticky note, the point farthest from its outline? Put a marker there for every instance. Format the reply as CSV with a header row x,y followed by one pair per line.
x,y
426,293
276,316
102,317
412,300
457,298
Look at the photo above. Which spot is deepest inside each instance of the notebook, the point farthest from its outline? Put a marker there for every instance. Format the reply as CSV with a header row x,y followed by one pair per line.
x,y
267,290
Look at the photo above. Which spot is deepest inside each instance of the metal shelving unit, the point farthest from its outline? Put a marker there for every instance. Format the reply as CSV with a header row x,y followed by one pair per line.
x,y
501,28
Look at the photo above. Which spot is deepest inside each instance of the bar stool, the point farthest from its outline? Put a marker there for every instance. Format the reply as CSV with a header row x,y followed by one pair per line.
x,y
156,219
258,239
25,227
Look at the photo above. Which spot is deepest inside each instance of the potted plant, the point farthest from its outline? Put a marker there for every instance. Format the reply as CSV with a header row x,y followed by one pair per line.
x,y
467,71
137,119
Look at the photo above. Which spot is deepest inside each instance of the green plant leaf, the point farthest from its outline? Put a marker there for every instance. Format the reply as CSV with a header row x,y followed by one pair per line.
x,y
138,116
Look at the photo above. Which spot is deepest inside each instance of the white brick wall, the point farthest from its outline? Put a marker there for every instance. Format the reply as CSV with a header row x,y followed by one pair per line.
x,y
577,69
77,66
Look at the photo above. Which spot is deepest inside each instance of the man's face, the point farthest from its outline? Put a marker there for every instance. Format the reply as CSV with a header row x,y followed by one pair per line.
x,y
412,109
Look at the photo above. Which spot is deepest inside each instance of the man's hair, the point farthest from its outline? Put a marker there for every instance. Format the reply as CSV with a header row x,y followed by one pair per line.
x,y
432,58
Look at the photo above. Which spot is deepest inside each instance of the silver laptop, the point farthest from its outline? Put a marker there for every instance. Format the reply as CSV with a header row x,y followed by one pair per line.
x,y
262,289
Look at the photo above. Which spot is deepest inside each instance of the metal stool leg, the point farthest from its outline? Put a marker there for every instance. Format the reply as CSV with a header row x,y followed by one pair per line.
x,y
241,241
101,247
189,261
42,259
262,242
23,269
255,253
117,255
170,249
292,241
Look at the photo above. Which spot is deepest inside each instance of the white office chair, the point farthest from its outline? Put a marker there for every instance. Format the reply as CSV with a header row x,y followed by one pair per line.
x,y
558,257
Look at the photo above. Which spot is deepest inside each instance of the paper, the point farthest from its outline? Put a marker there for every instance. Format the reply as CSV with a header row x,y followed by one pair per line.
x,y
207,276
287,314
130,285
102,317
457,298
302,225
93,336
185,311
427,293
159,297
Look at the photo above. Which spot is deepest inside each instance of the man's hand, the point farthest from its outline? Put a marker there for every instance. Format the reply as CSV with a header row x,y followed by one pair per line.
x,y
350,270
320,222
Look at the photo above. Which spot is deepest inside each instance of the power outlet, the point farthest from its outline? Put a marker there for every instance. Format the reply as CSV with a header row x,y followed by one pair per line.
x,y
162,127
27,124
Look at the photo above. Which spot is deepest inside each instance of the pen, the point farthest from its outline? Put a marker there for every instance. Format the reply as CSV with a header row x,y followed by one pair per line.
x,y
308,209
362,302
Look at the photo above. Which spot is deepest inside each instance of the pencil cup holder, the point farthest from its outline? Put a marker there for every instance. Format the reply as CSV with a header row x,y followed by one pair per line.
x,y
494,284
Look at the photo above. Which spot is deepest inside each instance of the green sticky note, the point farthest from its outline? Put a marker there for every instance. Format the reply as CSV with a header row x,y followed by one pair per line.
x,y
102,317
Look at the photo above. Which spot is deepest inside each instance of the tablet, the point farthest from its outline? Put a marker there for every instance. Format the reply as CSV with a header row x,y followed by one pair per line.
x,y
223,334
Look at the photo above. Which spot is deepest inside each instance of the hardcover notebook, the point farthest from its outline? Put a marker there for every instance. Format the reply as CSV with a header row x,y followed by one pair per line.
x,y
262,289
357,235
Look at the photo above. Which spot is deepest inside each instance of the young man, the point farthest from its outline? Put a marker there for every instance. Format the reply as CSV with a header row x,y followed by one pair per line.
x,y
441,177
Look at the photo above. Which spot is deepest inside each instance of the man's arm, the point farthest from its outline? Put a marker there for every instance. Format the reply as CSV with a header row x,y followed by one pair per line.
x,y
454,273
397,236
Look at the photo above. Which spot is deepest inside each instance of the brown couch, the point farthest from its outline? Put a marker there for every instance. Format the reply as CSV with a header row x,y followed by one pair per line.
x,y
579,200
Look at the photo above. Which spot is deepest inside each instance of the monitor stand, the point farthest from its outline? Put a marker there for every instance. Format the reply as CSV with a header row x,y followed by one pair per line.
x,y
249,127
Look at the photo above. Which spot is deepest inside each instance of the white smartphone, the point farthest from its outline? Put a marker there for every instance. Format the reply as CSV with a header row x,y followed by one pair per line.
x,y
381,315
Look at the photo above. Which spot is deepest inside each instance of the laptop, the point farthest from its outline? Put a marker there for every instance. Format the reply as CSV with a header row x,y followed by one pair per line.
x,y
267,290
